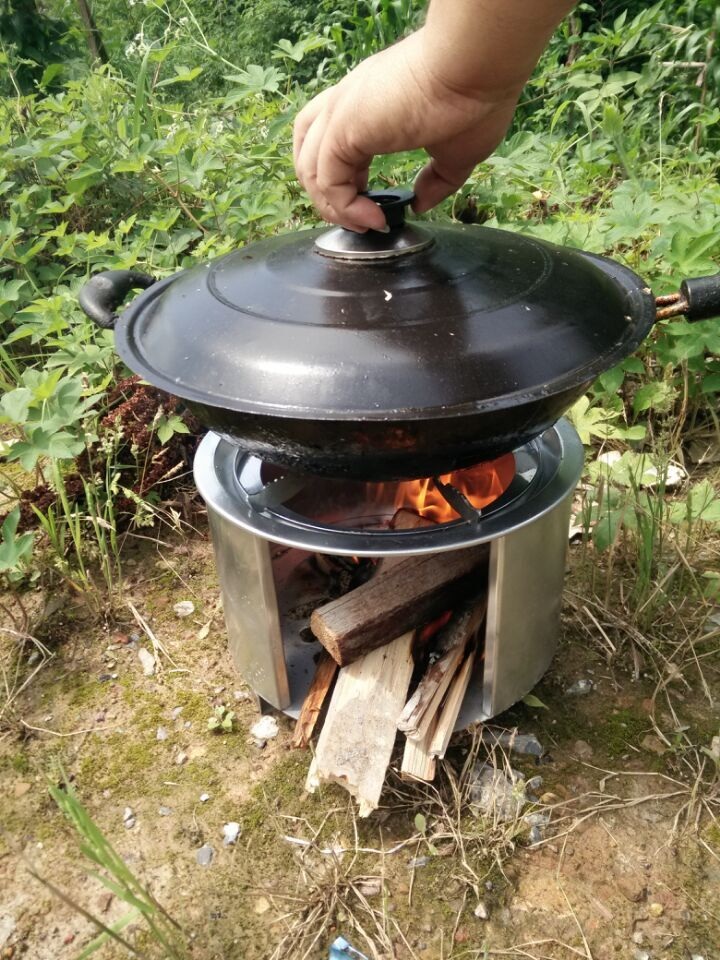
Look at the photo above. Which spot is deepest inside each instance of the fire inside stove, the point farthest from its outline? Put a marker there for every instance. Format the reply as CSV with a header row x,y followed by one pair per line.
x,y
480,486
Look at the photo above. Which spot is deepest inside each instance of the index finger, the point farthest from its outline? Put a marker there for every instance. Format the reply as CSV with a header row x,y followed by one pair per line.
x,y
340,168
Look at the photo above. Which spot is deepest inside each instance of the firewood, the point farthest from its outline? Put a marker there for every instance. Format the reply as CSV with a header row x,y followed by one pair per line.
x,y
451,708
404,519
404,597
312,705
452,640
417,763
357,737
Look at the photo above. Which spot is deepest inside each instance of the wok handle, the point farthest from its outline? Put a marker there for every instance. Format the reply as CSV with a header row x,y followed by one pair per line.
x,y
698,299
702,295
103,294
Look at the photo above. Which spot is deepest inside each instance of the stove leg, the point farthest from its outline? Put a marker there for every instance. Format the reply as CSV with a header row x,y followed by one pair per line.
x,y
251,610
526,576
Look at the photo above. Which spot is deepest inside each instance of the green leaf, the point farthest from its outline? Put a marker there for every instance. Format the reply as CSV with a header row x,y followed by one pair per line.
x,y
530,700
15,405
420,823
711,383
183,75
656,395
254,79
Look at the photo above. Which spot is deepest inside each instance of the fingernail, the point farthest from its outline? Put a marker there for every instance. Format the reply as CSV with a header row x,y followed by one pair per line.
x,y
385,229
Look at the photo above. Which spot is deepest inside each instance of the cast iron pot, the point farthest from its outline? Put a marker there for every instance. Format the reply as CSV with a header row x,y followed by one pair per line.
x,y
385,356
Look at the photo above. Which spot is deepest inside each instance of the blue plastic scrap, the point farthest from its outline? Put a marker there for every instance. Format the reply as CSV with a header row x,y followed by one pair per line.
x,y
340,949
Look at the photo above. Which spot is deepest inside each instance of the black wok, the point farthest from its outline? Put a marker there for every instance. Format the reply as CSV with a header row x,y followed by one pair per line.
x,y
386,356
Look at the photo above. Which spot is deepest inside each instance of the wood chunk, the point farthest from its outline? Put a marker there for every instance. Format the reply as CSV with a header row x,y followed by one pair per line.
x,y
452,640
407,519
417,763
404,597
451,708
357,737
312,705
404,519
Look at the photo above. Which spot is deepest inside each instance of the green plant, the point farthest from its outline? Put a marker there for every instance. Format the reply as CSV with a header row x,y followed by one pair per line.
x,y
15,549
222,720
117,877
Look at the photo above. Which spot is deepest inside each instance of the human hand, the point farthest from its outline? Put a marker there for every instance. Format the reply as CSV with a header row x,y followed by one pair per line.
x,y
395,100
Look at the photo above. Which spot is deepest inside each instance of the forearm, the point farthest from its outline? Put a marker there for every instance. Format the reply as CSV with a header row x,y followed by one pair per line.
x,y
489,45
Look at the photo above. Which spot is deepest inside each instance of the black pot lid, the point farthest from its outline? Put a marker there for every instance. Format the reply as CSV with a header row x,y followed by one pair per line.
x,y
424,321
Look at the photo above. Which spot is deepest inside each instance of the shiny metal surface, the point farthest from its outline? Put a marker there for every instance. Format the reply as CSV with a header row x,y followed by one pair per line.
x,y
345,517
526,575
341,244
251,609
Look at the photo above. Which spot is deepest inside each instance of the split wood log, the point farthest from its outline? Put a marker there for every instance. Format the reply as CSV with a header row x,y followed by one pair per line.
x,y
404,597
452,640
451,709
417,762
357,737
312,705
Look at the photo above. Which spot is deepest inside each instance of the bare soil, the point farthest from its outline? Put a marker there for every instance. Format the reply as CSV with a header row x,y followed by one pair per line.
x,y
629,866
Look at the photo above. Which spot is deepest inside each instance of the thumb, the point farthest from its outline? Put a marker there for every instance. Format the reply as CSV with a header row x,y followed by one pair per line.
x,y
436,181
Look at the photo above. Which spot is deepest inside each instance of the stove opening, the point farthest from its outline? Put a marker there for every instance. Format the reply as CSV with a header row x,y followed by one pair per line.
x,y
436,498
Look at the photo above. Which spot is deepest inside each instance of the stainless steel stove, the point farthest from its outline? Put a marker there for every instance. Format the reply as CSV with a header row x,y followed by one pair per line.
x,y
269,526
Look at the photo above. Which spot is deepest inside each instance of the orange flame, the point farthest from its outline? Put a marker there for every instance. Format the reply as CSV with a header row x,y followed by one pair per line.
x,y
481,484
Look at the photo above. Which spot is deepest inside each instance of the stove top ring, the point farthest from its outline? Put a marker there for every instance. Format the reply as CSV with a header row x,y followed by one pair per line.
x,y
338,517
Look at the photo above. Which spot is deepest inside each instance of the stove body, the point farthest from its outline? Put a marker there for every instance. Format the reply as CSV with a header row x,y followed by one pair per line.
x,y
266,528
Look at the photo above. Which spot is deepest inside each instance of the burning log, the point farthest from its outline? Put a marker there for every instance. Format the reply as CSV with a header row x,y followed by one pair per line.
x,y
421,708
405,596
357,737
313,703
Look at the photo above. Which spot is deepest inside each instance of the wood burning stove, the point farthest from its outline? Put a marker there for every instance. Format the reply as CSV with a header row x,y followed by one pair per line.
x,y
271,530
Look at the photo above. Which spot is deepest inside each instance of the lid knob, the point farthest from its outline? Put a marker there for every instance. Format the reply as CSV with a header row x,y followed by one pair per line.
x,y
399,239
392,202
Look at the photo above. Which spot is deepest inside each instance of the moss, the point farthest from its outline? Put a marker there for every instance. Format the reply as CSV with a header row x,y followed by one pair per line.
x,y
620,728
115,761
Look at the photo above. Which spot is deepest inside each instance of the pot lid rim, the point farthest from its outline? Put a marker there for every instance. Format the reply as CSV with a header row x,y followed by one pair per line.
x,y
643,321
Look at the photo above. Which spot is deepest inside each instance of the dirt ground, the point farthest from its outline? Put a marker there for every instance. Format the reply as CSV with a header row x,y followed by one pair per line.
x,y
628,867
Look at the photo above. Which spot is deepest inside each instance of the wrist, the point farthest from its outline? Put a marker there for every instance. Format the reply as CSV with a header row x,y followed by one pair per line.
x,y
475,78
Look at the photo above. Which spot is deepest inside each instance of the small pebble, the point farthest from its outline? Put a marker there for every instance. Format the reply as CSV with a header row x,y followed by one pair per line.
x,y
579,688
231,831
418,862
204,797
161,734
204,855
104,677
147,661
481,911
129,818
176,711
536,835
656,909
184,608
534,784
134,637
261,905
164,811
242,695
266,728
181,758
